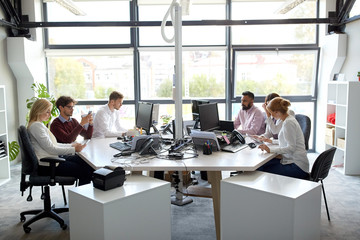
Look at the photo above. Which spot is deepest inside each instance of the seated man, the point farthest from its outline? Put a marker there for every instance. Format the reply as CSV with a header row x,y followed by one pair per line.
x,y
250,118
107,118
67,129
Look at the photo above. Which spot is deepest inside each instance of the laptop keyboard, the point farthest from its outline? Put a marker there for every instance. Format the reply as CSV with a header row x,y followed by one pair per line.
x,y
233,147
121,146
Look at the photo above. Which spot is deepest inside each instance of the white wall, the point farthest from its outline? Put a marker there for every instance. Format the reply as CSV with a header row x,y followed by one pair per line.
x,y
8,80
28,58
352,63
350,67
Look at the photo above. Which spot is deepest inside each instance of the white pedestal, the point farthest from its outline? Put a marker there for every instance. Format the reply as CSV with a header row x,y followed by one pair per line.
x,y
259,205
140,209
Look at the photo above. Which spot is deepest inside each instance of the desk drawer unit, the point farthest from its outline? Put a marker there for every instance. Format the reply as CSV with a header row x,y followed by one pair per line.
x,y
140,209
259,205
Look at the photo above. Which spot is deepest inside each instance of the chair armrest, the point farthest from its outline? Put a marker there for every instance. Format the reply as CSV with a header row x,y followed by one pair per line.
x,y
52,159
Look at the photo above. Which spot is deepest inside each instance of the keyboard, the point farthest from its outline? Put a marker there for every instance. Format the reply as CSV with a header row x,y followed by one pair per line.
x,y
233,147
121,146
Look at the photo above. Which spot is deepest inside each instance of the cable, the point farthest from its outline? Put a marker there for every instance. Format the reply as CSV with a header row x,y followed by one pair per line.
x,y
169,11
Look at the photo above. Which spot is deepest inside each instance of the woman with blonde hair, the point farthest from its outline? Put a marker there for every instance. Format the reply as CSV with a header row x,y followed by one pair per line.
x,y
292,160
45,145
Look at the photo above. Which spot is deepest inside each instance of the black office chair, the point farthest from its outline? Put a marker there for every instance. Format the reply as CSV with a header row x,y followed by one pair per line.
x,y
30,178
305,124
320,170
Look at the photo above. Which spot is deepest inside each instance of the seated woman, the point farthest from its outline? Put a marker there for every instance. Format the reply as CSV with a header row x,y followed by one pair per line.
x,y
273,125
45,145
292,160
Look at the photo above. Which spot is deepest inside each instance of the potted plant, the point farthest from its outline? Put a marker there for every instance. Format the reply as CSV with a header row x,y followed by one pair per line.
x,y
358,75
42,92
14,150
165,118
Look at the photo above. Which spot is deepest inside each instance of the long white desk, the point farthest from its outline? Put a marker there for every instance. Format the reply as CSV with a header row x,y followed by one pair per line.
x,y
98,153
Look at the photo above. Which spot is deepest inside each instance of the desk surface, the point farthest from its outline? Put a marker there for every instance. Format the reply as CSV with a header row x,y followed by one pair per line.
x,y
98,153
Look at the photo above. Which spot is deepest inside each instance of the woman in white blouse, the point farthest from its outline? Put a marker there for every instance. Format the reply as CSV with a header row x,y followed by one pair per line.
x,y
292,160
45,145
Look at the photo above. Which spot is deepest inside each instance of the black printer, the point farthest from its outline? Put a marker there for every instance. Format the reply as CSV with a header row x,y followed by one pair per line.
x,y
108,177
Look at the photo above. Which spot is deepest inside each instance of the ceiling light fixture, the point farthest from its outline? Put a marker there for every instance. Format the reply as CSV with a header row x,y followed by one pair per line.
x,y
69,5
289,5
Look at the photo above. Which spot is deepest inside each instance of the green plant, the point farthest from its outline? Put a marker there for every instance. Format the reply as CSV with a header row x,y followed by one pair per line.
x,y
41,92
14,150
165,118
358,74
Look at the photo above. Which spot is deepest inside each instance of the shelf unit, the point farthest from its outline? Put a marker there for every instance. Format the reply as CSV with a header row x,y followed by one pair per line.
x,y
4,161
343,99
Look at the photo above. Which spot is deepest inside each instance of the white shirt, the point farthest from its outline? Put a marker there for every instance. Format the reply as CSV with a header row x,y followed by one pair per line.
x,y
274,127
291,144
45,144
107,123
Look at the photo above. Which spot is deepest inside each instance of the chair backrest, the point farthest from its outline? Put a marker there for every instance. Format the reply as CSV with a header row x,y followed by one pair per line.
x,y
29,161
322,164
305,125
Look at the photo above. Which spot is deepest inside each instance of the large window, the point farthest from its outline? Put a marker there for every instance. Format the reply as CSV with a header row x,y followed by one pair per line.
x,y
89,77
104,10
203,74
273,34
284,72
218,62
155,10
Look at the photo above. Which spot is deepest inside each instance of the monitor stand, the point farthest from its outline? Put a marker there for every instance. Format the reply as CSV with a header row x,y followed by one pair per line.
x,y
179,199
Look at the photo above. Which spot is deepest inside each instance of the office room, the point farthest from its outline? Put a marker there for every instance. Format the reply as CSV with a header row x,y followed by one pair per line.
x,y
306,51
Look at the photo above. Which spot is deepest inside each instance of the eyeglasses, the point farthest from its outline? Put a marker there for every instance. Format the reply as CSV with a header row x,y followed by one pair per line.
x,y
70,107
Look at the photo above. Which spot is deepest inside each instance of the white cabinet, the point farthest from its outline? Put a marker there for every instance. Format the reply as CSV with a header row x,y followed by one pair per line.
x,y
4,155
140,209
260,205
344,99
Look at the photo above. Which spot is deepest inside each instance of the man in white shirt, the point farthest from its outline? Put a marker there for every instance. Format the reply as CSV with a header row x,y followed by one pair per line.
x,y
107,118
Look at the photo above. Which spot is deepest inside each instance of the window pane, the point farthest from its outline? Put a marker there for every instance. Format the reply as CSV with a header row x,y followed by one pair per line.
x,y
91,77
274,34
110,11
246,10
203,74
191,35
286,73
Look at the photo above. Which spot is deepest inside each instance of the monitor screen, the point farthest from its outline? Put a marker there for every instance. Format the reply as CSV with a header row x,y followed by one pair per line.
x,y
144,116
195,107
209,117
155,114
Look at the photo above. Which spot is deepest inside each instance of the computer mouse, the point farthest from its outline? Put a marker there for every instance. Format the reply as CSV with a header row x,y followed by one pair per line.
x,y
252,145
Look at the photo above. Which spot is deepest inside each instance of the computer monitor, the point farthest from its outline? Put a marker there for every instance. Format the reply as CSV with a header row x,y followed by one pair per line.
x,y
195,107
209,117
155,114
144,116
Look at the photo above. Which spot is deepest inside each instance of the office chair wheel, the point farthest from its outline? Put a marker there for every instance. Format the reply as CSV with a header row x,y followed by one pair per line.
x,y
22,218
27,229
64,226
